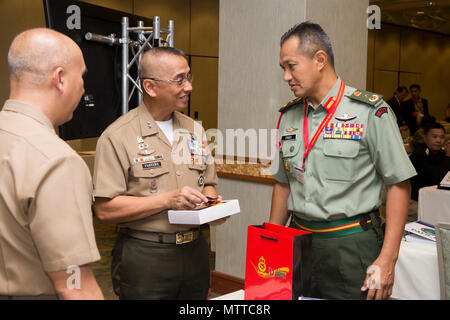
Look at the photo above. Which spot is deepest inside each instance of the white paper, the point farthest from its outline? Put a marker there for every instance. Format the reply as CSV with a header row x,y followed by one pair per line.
x,y
446,181
421,229
197,217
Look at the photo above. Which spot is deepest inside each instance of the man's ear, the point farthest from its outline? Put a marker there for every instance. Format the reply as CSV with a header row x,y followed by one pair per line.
x,y
149,87
58,79
321,58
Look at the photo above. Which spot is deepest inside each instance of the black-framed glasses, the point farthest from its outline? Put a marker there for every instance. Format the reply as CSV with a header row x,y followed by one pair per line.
x,y
178,82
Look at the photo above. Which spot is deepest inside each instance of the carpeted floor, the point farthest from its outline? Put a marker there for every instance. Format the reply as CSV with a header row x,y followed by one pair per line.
x,y
106,236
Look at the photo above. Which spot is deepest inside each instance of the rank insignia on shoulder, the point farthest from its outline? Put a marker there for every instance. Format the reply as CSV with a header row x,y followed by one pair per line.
x,y
366,97
381,111
290,104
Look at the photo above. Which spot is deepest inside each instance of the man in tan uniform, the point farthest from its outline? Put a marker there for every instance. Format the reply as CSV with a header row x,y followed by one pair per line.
x,y
148,161
47,239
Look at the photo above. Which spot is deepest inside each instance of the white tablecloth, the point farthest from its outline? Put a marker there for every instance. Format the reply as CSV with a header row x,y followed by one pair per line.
x,y
416,271
434,205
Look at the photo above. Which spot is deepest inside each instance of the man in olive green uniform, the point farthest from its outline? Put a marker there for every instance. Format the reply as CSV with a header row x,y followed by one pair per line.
x,y
47,239
338,146
149,161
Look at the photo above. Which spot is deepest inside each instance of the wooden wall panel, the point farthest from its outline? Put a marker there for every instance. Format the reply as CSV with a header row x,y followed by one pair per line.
x,y
15,17
387,49
205,28
177,10
205,87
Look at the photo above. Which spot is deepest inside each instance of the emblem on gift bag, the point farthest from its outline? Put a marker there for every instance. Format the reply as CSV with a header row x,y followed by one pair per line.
x,y
278,263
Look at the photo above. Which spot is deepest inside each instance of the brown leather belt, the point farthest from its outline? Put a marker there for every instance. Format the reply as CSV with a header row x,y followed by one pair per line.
x,y
181,237
42,297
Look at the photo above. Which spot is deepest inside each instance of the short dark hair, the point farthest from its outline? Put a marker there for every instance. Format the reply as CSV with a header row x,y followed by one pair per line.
x,y
402,89
156,51
432,125
415,85
312,38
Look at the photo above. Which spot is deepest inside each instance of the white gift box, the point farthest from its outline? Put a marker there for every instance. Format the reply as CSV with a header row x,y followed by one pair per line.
x,y
225,209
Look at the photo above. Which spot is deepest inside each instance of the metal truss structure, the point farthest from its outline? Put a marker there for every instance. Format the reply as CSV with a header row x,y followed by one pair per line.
x,y
147,37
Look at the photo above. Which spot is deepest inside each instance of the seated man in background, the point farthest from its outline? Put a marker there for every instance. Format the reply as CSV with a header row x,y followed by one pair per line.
x,y
418,140
432,160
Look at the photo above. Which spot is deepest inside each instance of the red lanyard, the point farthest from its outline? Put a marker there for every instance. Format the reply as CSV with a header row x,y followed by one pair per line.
x,y
331,107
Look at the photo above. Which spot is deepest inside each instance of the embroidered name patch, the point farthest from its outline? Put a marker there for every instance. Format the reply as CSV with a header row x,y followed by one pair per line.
x,y
381,111
349,131
151,165
289,137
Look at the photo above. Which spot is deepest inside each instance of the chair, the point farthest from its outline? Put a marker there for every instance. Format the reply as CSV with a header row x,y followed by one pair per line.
x,y
443,251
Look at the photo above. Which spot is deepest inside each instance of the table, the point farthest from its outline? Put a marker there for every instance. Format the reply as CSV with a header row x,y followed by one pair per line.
x,y
416,271
236,295
434,205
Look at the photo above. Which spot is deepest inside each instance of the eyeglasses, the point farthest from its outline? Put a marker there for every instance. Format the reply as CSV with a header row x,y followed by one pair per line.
x,y
178,82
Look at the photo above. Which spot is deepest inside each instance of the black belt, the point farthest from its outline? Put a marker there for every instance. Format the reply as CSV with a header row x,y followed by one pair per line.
x,y
181,237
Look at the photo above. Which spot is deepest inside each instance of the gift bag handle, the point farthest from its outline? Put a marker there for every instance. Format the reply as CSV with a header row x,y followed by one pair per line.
x,y
268,238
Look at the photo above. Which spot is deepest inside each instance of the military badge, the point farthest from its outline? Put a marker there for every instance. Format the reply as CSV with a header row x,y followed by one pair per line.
x,y
374,98
148,158
196,148
381,111
348,131
345,117
153,187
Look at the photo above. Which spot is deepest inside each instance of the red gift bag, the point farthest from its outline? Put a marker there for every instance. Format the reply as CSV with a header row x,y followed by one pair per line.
x,y
278,263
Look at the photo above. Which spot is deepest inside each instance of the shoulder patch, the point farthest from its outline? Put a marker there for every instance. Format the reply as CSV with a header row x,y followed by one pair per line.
x,y
381,111
366,97
290,104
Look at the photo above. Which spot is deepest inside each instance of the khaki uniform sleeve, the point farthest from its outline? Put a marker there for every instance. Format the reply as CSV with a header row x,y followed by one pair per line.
x,y
61,217
386,146
110,168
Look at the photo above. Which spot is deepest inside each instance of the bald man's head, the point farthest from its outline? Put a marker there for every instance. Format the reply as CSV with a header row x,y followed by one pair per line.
x,y
46,71
151,63
34,53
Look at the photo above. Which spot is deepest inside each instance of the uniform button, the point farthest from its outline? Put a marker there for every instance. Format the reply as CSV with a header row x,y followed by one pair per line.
x,y
178,173
339,152
291,148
